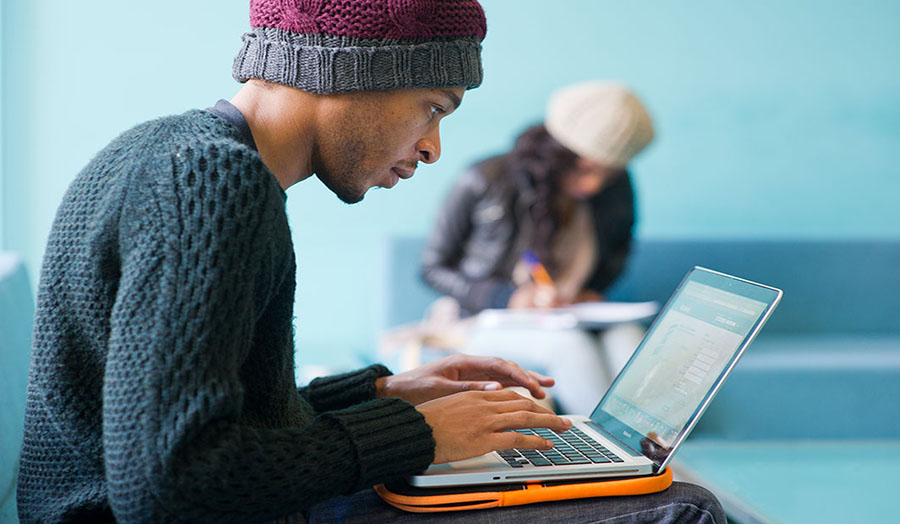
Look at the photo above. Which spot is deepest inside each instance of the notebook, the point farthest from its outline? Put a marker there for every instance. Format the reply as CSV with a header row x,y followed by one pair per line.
x,y
585,315
654,403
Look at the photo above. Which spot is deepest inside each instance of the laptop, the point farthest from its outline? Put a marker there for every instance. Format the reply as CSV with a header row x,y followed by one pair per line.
x,y
654,403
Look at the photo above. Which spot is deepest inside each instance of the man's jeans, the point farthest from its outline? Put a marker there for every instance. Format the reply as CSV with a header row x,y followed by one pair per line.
x,y
681,503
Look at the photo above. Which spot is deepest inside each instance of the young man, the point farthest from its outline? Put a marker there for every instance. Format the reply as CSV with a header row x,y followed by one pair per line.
x,y
162,376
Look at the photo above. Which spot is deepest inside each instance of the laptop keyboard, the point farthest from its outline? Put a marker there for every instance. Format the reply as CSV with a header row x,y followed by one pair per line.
x,y
569,447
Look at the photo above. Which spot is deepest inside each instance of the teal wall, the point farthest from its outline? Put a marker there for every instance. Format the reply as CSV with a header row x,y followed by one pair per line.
x,y
775,119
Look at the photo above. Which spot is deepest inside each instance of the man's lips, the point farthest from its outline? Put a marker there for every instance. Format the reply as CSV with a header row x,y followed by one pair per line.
x,y
396,173
403,173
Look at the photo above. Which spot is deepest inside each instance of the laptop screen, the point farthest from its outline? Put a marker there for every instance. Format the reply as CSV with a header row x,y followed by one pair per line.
x,y
686,354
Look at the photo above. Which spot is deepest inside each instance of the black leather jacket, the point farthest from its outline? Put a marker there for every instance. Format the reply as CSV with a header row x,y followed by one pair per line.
x,y
471,252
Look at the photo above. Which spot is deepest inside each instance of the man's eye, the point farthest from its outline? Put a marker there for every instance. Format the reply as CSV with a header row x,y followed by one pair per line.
x,y
436,111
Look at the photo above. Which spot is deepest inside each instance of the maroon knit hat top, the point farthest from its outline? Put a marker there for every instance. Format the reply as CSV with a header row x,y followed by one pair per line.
x,y
333,46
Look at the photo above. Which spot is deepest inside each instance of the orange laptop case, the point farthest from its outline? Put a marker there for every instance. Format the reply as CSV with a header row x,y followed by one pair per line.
x,y
425,500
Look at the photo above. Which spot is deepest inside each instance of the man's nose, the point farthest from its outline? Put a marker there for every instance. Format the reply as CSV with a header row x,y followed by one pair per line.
x,y
429,148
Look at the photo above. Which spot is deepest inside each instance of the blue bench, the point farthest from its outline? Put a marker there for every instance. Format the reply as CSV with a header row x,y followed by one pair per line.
x,y
833,341
820,384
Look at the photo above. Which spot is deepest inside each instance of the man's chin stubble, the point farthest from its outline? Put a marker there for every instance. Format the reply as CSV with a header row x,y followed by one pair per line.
x,y
345,194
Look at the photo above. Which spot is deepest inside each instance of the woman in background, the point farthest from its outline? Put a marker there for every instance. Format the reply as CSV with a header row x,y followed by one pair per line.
x,y
564,196
563,193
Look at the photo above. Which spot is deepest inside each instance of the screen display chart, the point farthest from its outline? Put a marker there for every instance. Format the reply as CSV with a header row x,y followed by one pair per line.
x,y
681,359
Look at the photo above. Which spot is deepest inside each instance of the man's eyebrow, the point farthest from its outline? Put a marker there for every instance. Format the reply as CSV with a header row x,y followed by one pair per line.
x,y
452,96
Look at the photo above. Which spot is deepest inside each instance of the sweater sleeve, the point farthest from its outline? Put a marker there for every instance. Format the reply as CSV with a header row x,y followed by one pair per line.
x,y
347,389
181,326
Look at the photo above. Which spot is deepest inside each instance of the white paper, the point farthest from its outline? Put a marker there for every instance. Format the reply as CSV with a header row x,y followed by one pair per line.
x,y
584,315
606,313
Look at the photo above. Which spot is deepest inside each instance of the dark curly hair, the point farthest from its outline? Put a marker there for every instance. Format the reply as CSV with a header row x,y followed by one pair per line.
x,y
538,161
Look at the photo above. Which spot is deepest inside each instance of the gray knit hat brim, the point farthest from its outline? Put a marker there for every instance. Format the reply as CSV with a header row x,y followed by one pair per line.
x,y
323,64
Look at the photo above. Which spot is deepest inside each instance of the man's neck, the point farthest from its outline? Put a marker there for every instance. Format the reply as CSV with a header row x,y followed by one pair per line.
x,y
282,121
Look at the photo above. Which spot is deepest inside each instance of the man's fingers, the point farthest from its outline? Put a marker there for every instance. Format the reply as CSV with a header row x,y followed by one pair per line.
x,y
520,404
511,374
525,420
490,416
505,372
512,440
509,395
472,385
543,380
522,413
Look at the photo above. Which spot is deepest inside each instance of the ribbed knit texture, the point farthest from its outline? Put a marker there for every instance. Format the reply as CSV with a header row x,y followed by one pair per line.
x,y
397,19
339,46
161,385
600,120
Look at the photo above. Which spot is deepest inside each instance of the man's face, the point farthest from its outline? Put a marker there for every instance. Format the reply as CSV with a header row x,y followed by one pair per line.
x,y
376,138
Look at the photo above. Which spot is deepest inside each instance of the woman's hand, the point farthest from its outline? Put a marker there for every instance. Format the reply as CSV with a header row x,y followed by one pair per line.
x,y
533,295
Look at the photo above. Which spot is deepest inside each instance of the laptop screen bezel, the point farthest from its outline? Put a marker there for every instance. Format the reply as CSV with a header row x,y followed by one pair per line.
x,y
633,439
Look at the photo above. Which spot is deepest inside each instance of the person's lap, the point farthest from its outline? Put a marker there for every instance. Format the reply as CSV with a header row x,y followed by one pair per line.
x,y
681,503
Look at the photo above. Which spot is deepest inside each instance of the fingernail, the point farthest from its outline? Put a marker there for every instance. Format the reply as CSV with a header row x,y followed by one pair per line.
x,y
492,386
566,421
548,443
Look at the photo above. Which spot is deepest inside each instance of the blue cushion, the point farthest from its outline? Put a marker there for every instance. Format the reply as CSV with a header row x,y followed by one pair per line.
x,y
809,387
830,286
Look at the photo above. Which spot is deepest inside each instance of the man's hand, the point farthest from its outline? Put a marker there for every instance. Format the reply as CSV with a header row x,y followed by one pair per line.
x,y
473,423
458,373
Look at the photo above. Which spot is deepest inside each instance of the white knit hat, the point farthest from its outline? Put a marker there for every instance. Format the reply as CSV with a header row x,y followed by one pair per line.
x,y
600,121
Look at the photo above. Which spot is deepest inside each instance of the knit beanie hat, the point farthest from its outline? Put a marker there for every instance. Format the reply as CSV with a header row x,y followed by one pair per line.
x,y
339,46
600,121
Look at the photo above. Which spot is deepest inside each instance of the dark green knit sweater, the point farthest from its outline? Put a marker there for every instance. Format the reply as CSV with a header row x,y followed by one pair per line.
x,y
162,384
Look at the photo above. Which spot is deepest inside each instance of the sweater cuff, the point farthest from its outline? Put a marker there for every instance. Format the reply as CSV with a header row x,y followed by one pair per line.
x,y
391,437
340,391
